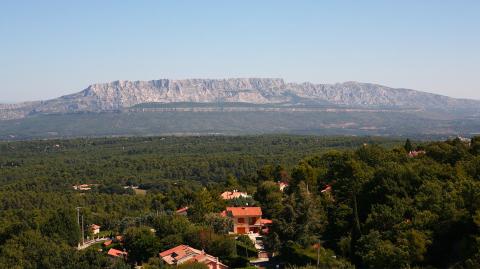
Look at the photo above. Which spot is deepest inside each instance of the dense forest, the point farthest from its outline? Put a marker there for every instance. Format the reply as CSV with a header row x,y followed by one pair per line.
x,y
351,202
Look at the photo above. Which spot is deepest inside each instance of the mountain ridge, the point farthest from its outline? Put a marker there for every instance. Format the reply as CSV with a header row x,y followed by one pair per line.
x,y
122,94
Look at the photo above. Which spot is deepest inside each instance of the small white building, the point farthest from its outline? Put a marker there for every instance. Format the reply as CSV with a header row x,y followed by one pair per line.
x,y
82,187
95,228
235,194
282,185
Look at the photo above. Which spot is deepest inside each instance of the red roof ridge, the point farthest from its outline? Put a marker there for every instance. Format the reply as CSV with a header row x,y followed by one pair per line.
x,y
183,209
244,211
116,252
172,250
184,253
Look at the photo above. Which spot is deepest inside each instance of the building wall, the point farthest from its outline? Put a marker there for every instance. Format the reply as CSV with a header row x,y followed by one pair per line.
x,y
245,224
214,265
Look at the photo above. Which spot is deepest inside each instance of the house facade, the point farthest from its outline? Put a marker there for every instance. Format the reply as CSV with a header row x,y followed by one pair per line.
x,y
95,228
246,219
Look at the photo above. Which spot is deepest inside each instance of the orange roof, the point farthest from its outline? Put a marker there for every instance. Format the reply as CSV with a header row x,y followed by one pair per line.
x,y
416,153
244,211
95,226
263,222
107,243
116,253
119,238
327,188
183,209
183,253
172,250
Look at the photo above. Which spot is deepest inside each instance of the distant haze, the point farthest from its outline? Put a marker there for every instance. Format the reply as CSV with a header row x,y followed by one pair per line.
x,y
54,48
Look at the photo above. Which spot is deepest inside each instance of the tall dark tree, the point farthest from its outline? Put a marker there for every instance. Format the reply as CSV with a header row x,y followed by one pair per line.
x,y
475,145
141,244
303,218
270,198
63,224
203,203
408,145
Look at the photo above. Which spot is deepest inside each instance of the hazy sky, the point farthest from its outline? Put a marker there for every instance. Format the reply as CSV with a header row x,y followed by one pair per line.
x,y
51,48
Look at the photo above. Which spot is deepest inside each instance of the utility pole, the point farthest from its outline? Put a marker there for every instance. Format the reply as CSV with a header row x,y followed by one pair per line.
x,y
78,219
318,254
318,257
83,233
78,216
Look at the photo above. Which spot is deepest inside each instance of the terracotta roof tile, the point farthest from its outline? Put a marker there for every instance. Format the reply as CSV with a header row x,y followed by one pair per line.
x,y
183,209
244,211
183,253
116,253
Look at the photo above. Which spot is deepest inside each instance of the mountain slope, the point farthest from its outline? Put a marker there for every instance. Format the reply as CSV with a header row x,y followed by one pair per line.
x,y
240,106
119,95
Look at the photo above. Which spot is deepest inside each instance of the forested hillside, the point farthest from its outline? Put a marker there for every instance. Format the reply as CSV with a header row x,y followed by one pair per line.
x,y
351,202
328,122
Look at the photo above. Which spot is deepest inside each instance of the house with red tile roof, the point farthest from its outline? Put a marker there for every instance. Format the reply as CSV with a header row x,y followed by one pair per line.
x,y
182,211
119,238
82,187
328,188
246,219
235,194
186,254
282,185
116,253
416,153
95,228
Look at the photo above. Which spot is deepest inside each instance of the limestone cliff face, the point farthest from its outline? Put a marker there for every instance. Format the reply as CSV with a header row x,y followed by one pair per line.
x,y
373,95
16,111
123,94
120,94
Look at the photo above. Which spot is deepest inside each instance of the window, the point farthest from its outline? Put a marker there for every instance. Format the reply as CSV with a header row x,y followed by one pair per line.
x,y
241,230
241,220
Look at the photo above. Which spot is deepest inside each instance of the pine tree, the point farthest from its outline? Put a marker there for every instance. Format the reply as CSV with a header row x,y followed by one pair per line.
x,y
408,145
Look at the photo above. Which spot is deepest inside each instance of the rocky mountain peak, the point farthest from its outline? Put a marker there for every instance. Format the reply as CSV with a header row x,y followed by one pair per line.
x,y
122,94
